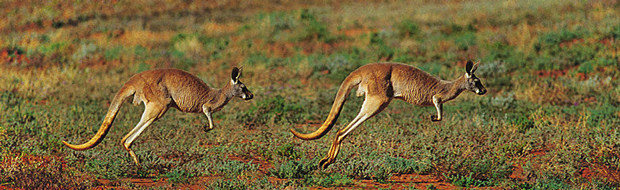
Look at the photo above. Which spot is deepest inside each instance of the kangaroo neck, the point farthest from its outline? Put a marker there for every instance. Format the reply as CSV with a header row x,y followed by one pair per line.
x,y
452,89
219,97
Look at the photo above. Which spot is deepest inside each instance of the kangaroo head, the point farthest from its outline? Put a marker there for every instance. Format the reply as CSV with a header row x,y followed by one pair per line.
x,y
473,82
238,88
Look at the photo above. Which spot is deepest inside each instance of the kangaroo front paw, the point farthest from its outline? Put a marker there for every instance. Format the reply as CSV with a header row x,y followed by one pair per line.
x,y
207,128
434,118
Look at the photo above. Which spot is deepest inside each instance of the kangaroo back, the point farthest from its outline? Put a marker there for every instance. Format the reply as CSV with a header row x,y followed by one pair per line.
x,y
116,104
341,97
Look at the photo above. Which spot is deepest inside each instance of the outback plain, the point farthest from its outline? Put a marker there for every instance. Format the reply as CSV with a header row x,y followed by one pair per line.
x,y
550,119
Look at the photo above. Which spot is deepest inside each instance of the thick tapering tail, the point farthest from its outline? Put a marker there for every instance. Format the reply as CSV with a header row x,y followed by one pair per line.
x,y
345,88
116,104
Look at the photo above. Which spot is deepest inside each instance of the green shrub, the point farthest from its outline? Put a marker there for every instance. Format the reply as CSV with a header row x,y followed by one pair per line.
x,y
604,185
601,114
339,66
229,184
278,22
288,151
586,68
271,110
581,52
178,176
408,28
86,51
380,167
522,123
293,169
311,28
256,59
551,40
615,32
450,29
108,168
467,181
465,41
331,180
230,168
198,167
591,64
479,167
550,183
361,168
298,26
381,175
502,103
506,55
264,183
111,54
406,166
563,49
514,148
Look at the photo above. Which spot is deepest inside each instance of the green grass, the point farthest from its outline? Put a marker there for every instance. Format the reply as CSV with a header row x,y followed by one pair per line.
x,y
550,117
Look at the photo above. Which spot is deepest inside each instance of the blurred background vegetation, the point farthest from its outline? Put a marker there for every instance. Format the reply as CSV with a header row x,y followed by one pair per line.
x,y
549,121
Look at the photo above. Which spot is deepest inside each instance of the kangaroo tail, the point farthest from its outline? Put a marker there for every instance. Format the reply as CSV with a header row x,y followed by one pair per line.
x,y
341,97
116,104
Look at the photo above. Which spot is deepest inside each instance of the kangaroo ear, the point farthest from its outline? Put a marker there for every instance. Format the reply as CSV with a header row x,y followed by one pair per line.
x,y
475,67
469,68
236,72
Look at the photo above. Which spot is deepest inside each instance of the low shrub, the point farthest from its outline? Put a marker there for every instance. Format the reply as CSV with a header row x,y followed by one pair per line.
x,y
270,110
229,184
293,169
330,180
408,28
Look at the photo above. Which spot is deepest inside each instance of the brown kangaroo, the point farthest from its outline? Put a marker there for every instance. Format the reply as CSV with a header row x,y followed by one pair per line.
x,y
382,82
161,89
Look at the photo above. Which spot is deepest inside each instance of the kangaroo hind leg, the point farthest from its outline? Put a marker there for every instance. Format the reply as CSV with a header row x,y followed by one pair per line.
x,y
372,106
152,112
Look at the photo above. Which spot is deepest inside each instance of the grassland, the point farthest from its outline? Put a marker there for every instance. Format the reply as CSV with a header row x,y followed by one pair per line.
x,y
549,121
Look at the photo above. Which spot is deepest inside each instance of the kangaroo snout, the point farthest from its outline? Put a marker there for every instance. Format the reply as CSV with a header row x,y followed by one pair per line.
x,y
481,91
248,96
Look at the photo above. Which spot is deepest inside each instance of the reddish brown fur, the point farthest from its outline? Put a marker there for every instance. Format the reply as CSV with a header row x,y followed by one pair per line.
x,y
382,82
155,85
161,89
418,87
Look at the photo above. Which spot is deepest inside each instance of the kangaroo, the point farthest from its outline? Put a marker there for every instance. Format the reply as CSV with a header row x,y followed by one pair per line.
x,y
161,89
382,82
